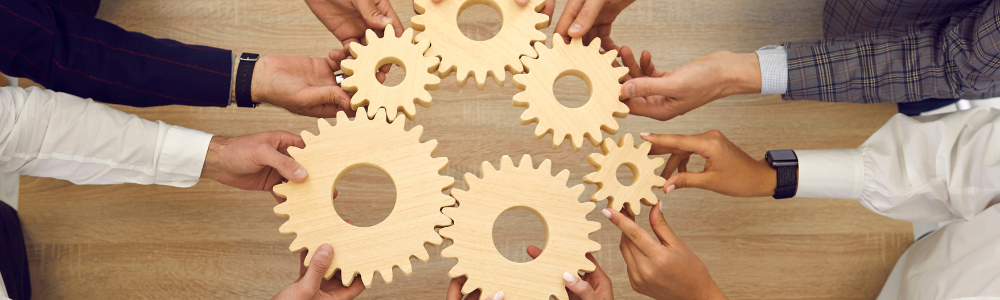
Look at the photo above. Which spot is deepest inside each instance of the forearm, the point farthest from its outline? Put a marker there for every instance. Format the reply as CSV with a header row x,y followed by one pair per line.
x,y
49,134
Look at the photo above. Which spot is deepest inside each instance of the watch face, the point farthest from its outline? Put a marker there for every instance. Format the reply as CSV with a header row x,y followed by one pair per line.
x,y
782,155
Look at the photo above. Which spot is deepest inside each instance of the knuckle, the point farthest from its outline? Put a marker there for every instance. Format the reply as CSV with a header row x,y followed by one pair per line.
x,y
633,234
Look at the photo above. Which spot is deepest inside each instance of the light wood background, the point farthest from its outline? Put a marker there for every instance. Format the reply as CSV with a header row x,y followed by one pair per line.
x,y
215,242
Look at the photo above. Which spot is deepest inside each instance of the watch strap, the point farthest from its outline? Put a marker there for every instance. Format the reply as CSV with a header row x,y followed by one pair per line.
x,y
787,182
244,77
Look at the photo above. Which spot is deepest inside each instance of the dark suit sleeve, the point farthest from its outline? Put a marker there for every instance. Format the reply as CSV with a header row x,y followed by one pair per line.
x,y
954,57
91,58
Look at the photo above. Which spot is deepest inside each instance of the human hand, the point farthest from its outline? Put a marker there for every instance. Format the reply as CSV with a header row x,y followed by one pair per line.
x,y
255,161
550,6
312,286
349,19
595,285
302,85
663,95
590,19
728,170
664,269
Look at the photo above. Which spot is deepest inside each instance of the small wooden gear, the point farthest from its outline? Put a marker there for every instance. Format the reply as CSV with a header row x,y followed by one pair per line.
x,y
565,219
636,159
520,28
589,64
390,49
412,222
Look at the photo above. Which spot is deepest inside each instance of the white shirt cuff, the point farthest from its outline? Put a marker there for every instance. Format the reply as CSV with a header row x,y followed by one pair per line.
x,y
181,157
773,69
830,173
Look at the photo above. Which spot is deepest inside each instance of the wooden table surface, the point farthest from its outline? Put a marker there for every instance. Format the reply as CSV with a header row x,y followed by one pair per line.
x,y
215,242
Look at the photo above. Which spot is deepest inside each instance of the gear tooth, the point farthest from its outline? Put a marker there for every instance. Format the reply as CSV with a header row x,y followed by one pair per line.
x,y
540,131
563,176
480,79
422,255
506,163
366,278
607,146
626,141
546,166
594,136
422,47
538,36
347,66
556,39
386,274
406,268
486,166
589,178
527,117
407,34
371,36
635,209
659,181
595,45
377,114
282,190
500,76
528,63
354,47
645,147
525,162
443,162
520,101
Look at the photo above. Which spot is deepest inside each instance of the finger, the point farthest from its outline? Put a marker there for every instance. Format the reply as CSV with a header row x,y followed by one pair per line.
x,y
569,13
683,168
609,44
647,86
660,227
302,264
335,57
636,234
668,143
385,6
633,257
455,288
285,165
355,289
689,180
585,18
598,271
579,287
550,7
315,100
628,59
372,12
534,252
317,268
287,139
646,61
521,2
672,163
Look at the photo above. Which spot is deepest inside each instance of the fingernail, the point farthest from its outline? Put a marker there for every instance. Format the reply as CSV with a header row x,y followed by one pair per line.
x,y
386,20
323,251
521,2
629,89
659,205
498,296
300,173
644,134
576,28
570,278
606,212
670,188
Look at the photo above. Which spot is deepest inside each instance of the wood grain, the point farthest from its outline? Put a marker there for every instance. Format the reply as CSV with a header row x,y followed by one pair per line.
x,y
211,241
644,177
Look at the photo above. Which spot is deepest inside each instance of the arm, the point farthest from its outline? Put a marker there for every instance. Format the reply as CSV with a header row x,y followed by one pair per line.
x,y
91,58
957,57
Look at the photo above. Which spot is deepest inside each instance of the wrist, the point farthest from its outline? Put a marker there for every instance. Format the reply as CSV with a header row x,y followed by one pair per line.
x,y
212,168
745,78
256,92
769,177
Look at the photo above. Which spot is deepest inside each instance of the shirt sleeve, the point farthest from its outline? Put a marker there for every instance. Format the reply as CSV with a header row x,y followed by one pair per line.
x,y
773,70
919,169
49,134
91,58
954,57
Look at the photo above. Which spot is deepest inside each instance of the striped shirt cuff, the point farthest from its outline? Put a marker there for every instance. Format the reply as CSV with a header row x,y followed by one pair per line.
x,y
773,70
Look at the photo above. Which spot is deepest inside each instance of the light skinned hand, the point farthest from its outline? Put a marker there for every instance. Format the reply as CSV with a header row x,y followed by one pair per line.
x,y
664,269
590,19
349,19
302,85
312,286
255,161
664,95
728,170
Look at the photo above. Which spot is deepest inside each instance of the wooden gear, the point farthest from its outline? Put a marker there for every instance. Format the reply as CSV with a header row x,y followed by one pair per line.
x,y
419,198
565,219
390,49
643,168
520,28
584,62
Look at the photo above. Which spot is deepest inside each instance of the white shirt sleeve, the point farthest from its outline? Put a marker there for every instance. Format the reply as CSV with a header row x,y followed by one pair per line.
x,y
50,134
773,69
921,169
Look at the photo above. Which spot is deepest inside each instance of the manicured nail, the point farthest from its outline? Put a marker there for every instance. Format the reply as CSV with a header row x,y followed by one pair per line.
x,y
570,278
498,296
386,21
606,212
576,28
629,89
659,205
670,188
521,2
644,134
300,173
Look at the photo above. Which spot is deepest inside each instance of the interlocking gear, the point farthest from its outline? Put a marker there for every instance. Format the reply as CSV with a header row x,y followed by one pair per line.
x,y
644,177
537,190
589,64
439,23
402,52
366,143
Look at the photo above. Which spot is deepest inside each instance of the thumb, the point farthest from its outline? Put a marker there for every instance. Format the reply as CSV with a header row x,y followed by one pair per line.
x,y
580,287
646,86
686,180
286,166
320,262
377,13
315,99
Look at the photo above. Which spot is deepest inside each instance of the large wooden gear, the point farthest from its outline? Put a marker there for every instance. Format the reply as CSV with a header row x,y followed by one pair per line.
x,y
589,64
636,159
520,28
402,52
558,207
419,196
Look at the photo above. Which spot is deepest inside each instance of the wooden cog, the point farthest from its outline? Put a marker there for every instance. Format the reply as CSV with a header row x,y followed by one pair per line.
x,y
565,219
419,198
643,168
578,123
390,49
520,28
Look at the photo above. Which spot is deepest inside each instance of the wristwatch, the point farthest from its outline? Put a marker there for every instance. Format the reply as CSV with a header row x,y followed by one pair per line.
x,y
786,166
244,76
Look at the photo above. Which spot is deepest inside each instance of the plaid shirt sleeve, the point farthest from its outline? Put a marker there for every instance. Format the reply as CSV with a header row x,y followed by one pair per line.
x,y
957,57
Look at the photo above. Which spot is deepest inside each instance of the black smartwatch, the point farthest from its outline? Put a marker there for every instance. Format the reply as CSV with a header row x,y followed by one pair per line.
x,y
244,76
786,166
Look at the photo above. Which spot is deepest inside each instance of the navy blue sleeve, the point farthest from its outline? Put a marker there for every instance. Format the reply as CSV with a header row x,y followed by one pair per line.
x,y
87,57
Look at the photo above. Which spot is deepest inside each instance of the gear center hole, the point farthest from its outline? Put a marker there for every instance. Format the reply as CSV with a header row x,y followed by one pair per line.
x,y
366,196
514,230
626,174
479,22
396,74
571,89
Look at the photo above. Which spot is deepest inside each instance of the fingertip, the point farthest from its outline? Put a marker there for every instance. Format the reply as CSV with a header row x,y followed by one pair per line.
x,y
606,212
628,90
521,2
299,175
576,30
569,278
668,189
